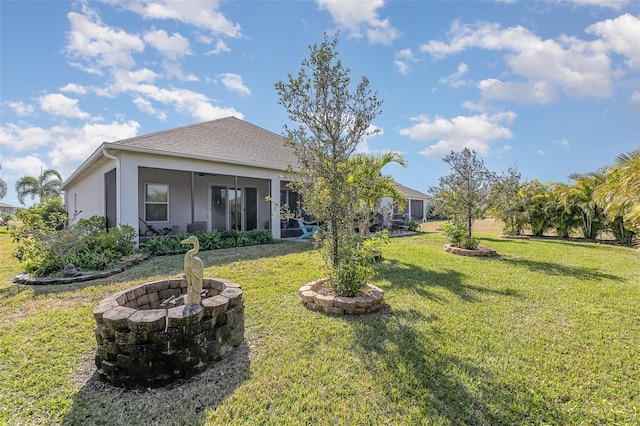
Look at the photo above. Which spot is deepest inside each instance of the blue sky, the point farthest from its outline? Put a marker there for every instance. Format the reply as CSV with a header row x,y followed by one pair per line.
x,y
549,87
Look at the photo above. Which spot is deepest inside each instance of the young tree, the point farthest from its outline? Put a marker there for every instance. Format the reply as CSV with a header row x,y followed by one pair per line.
x,y
44,186
331,120
463,195
507,202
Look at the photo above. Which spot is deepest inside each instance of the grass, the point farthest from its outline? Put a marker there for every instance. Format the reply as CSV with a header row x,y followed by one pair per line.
x,y
546,333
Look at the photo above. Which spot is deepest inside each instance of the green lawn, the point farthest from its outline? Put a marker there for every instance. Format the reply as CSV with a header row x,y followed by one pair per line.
x,y
547,333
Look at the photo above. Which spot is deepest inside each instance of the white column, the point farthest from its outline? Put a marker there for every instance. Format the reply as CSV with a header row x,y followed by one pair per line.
x,y
275,208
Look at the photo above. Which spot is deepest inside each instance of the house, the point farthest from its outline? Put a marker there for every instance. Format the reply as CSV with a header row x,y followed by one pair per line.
x,y
218,174
212,175
6,208
417,204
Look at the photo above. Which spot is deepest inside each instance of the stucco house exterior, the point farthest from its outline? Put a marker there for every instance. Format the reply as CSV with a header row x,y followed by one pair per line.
x,y
417,204
212,175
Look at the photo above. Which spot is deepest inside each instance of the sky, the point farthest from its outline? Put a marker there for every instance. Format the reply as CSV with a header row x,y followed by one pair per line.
x,y
550,88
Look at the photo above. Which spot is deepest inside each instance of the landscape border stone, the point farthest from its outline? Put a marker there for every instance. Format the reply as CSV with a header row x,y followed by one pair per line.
x,y
479,252
125,263
371,301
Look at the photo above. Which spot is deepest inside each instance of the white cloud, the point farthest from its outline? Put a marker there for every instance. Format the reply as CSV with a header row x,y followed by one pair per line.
x,y
20,108
17,139
60,105
98,44
475,132
363,145
541,92
66,145
202,14
361,15
220,47
454,80
403,61
145,106
234,83
564,144
621,35
172,47
74,88
16,167
575,67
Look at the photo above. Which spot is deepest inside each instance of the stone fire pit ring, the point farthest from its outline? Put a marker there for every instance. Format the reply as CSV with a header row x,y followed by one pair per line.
x,y
142,344
315,299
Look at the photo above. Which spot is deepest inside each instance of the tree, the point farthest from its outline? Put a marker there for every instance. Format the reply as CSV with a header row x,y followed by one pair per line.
x,y
536,197
620,196
44,186
507,202
581,194
331,120
3,186
464,195
563,213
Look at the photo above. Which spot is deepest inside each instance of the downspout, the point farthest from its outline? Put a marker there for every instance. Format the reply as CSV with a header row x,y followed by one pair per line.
x,y
117,160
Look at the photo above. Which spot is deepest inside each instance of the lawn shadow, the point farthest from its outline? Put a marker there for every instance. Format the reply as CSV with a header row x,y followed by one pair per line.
x,y
423,378
186,402
423,281
552,268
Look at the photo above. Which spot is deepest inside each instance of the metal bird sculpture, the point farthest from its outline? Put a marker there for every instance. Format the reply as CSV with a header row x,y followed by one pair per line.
x,y
193,271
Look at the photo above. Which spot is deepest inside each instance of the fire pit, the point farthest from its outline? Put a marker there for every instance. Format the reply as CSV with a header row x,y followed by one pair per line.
x,y
156,333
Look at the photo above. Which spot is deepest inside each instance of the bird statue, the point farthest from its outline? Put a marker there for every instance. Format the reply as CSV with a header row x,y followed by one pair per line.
x,y
193,271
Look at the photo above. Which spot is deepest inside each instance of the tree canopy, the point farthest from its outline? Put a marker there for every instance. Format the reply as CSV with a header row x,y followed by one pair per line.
x,y
44,186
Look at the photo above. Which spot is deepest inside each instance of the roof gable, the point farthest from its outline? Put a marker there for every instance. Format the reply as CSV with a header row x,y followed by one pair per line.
x,y
411,193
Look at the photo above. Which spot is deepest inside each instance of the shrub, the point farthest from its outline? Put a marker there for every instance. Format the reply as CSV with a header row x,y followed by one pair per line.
x,y
414,226
355,267
458,237
167,245
44,249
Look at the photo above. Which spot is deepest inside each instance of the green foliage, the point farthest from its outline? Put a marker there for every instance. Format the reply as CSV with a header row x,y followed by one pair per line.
x,y
168,245
413,226
338,189
506,203
46,246
457,236
464,195
47,185
356,265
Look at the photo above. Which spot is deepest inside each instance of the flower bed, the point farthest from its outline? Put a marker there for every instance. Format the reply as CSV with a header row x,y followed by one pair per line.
x,y
316,297
479,252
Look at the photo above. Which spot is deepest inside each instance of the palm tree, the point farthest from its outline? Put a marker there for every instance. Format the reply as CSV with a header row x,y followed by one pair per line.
x,y
620,194
536,197
581,194
3,186
45,186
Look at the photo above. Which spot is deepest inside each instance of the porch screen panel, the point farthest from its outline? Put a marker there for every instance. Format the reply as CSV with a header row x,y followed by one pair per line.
x,y
156,202
417,209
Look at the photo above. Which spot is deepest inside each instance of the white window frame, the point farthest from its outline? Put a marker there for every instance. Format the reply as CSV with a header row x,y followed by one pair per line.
x,y
146,185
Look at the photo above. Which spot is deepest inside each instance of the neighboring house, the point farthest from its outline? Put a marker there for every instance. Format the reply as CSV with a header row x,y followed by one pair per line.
x,y
212,175
218,174
417,205
6,208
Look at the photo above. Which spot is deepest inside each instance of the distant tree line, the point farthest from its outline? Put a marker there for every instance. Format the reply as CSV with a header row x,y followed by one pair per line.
x,y
607,200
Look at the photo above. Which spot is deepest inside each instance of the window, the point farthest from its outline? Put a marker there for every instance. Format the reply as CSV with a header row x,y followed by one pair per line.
x,y
156,202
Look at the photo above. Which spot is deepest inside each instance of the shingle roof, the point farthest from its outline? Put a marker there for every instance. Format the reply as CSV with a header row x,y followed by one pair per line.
x,y
226,139
411,193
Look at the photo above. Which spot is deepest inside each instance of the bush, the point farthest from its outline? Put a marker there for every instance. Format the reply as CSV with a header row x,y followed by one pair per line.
x,y
45,249
355,268
458,237
414,226
168,245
